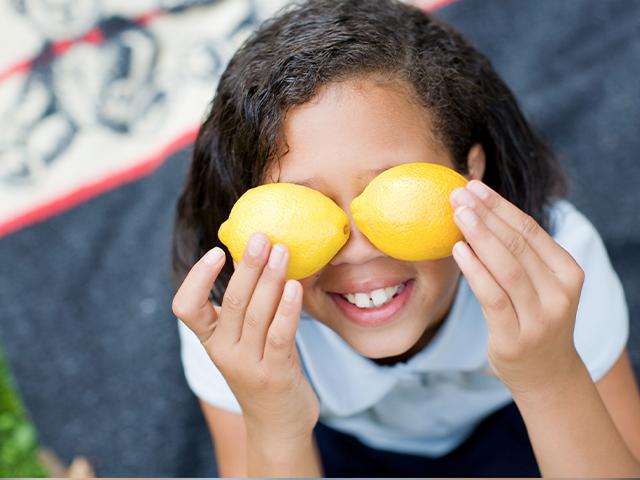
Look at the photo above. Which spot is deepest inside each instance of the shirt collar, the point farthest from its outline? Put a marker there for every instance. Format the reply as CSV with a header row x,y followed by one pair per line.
x,y
347,383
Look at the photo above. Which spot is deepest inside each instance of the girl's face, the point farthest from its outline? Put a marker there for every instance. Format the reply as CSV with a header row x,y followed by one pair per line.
x,y
337,143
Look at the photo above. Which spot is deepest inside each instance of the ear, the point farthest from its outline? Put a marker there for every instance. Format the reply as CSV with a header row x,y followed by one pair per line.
x,y
475,162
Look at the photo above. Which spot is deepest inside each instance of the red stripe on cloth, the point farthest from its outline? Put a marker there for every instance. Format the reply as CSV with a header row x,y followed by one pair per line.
x,y
18,68
432,5
149,16
94,189
94,36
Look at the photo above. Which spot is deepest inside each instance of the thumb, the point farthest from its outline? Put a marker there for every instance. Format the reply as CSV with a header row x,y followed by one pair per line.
x,y
191,303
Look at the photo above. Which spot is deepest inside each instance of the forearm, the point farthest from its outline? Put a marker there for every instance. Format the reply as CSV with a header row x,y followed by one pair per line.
x,y
572,433
299,458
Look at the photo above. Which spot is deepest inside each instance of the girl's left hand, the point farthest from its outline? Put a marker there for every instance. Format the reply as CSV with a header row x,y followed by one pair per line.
x,y
528,287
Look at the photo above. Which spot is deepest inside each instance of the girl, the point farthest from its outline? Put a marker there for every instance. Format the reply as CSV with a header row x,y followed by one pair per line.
x,y
507,358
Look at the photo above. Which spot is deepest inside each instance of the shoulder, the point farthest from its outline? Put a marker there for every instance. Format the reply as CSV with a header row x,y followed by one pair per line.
x,y
566,221
576,234
602,320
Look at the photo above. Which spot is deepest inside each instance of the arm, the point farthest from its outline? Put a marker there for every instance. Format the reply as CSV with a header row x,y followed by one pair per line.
x,y
529,288
232,451
577,431
619,391
296,457
229,440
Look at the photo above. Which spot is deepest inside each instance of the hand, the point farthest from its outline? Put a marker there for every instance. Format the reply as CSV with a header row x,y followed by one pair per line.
x,y
528,287
251,339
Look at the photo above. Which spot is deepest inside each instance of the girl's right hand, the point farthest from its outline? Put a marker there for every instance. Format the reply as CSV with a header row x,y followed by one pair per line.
x,y
251,339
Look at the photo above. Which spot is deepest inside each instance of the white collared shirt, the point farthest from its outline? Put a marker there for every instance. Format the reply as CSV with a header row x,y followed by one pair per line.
x,y
431,403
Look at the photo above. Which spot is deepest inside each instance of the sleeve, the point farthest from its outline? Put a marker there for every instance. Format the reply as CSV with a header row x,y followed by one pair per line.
x,y
602,322
203,377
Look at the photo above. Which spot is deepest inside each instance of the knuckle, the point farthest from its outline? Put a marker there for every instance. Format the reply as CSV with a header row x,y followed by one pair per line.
x,y
579,275
180,309
514,275
252,320
517,245
493,201
232,301
277,341
498,302
529,227
481,211
253,263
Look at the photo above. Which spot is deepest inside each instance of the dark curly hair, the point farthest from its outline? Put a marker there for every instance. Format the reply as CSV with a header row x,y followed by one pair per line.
x,y
310,44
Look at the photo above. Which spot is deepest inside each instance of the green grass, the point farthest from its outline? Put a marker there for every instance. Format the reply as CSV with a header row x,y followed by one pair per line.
x,y
18,444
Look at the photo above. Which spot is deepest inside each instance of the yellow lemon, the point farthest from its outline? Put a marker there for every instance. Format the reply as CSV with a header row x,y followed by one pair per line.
x,y
311,225
405,211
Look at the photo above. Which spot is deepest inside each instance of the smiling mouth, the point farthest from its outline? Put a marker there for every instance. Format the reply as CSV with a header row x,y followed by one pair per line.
x,y
375,298
374,308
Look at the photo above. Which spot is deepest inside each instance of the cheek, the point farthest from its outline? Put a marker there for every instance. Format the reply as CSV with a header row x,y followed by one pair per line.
x,y
308,291
437,276
308,283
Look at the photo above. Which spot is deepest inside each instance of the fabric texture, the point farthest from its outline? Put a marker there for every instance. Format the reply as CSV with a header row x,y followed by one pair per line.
x,y
431,403
498,447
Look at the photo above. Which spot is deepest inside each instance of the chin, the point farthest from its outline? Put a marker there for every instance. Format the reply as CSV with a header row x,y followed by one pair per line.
x,y
384,343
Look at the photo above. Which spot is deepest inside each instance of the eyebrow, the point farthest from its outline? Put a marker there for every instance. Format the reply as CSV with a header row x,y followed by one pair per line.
x,y
308,182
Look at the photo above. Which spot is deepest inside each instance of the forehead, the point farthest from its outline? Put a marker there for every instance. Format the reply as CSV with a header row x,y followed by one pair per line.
x,y
353,128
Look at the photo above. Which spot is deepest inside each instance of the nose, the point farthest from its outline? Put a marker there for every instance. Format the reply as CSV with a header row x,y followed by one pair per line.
x,y
357,250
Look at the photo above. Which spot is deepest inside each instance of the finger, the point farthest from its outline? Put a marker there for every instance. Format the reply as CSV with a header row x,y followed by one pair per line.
x,y
496,305
499,261
541,277
191,301
241,286
264,302
281,336
555,257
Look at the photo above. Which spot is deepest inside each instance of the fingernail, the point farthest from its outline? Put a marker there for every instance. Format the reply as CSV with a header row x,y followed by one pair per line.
x,y
479,189
467,216
461,250
462,197
290,291
213,257
256,244
276,256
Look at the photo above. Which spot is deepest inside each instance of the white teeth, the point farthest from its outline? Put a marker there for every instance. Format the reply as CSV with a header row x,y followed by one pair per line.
x,y
391,291
373,299
378,297
363,300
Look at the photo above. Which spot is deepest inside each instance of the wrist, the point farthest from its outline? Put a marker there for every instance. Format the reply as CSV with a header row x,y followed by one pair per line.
x,y
278,455
557,387
277,447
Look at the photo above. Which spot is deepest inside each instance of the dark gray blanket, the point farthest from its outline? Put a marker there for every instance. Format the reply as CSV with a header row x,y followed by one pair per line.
x,y
86,322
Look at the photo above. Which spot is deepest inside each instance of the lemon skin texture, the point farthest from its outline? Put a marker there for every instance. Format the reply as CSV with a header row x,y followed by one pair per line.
x,y
405,211
308,223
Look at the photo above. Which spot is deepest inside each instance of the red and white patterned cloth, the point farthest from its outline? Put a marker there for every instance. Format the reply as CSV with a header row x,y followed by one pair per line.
x,y
96,93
